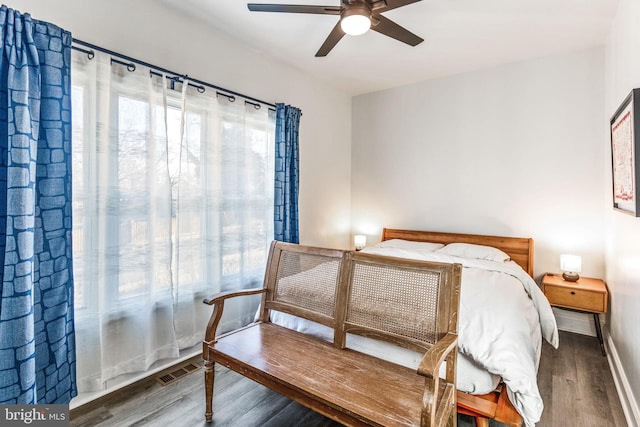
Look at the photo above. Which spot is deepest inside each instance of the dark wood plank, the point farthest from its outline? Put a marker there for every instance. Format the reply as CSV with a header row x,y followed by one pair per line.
x,y
548,358
295,411
590,371
576,384
233,397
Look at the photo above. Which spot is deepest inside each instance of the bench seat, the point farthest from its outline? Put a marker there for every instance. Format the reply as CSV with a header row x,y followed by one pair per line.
x,y
353,387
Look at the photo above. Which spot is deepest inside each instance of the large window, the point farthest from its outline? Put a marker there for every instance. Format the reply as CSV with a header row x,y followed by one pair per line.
x,y
173,201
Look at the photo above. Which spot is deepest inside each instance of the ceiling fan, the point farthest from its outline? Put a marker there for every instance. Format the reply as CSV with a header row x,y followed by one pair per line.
x,y
356,17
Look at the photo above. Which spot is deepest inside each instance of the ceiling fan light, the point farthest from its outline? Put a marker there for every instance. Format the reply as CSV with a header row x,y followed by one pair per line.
x,y
355,21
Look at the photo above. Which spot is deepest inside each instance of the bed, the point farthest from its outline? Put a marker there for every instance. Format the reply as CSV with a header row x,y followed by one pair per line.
x,y
503,314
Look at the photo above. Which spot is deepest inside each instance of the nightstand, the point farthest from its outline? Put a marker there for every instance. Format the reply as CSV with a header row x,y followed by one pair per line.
x,y
587,295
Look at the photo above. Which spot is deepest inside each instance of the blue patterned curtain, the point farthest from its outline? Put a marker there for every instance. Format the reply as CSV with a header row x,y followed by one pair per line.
x,y
286,176
37,345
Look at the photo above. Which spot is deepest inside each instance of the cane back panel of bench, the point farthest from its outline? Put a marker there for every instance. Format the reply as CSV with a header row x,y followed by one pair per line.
x,y
400,301
303,281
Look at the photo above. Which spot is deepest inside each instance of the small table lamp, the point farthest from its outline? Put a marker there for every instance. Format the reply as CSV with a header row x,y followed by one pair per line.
x,y
359,241
571,265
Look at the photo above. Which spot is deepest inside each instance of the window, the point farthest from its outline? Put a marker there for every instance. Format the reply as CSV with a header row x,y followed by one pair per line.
x,y
172,200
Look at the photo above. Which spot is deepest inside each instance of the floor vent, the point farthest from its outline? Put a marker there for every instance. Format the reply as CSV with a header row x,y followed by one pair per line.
x,y
181,371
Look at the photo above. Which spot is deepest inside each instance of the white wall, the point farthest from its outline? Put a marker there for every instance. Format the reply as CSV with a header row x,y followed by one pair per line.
x,y
623,231
513,150
520,149
149,31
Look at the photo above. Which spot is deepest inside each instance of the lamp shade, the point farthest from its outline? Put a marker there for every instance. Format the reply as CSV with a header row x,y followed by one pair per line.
x,y
571,263
359,241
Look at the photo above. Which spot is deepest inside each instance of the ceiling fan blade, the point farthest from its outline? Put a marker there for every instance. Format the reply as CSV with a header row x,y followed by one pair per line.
x,y
292,8
389,28
332,40
394,4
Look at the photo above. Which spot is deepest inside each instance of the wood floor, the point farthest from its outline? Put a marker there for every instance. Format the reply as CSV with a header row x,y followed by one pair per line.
x,y
575,382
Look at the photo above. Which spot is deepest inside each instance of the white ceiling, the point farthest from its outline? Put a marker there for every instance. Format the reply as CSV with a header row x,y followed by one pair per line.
x,y
460,36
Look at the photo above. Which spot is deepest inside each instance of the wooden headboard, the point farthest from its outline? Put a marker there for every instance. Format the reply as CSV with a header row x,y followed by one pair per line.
x,y
518,248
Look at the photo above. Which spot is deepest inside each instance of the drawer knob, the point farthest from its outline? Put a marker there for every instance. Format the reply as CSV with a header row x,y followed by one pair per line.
x,y
573,293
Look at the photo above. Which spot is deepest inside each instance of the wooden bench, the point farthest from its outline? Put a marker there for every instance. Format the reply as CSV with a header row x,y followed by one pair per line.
x,y
412,304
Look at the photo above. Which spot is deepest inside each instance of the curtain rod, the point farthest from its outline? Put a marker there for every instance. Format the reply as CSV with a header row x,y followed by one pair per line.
x,y
231,94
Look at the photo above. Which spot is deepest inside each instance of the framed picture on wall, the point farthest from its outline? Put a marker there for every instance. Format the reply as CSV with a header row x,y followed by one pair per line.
x,y
625,132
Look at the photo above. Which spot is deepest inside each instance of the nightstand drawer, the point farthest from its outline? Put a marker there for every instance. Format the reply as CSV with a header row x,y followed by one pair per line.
x,y
575,298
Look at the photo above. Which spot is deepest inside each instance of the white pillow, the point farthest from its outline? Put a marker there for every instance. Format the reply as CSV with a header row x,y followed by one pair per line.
x,y
408,244
469,250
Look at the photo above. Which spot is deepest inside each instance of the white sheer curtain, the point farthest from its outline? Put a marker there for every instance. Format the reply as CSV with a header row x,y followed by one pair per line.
x,y
173,201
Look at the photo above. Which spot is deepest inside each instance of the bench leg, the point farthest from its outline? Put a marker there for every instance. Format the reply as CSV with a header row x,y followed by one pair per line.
x,y
208,389
452,420
482,422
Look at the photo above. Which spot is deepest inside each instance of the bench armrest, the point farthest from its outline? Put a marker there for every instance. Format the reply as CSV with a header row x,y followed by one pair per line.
x,y
431,361
232,294
433,403
217,301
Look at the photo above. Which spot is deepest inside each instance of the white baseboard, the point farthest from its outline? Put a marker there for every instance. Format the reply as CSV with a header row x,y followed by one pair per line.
x,y
627,399
571,321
